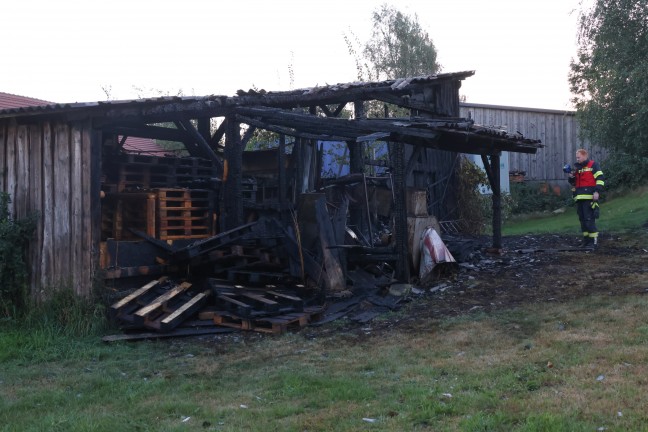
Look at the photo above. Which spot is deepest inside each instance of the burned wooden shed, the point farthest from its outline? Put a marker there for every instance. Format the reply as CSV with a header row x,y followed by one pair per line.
x,y
102,210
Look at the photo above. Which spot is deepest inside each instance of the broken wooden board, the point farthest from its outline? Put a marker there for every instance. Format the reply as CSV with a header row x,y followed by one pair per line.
x,y
178,332
334,274
215,242
146,313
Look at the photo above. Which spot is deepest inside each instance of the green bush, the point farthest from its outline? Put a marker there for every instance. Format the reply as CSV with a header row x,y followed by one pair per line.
x,y
476,209
530,198
624,171
14,238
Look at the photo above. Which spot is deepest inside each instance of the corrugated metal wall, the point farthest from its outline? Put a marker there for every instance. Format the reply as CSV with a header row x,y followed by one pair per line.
x,y
46,168
558,131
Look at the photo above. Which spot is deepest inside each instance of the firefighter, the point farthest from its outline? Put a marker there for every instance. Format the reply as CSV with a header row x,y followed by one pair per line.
x,y
587,182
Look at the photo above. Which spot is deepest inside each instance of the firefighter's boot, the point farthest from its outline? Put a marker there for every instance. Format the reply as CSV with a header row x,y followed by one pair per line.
x,y
594,242
586,242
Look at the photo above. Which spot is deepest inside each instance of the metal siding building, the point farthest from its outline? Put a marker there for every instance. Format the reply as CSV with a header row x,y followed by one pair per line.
x,y
558,131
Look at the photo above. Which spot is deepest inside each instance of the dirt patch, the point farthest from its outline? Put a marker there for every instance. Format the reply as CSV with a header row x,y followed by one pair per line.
x,y
532,269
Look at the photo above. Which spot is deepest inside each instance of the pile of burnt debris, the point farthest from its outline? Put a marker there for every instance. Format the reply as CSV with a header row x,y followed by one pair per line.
x,y
258,278
262,277
323,255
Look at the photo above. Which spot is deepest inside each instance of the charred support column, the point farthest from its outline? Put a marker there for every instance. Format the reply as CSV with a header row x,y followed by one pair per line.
x,y
356,165
281,161
281,158
298,158
400,212
232,197
492,168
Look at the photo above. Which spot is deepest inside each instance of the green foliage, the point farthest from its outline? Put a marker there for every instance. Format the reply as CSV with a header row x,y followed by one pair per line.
x,y
625,171
609,77
399,47
474,208
262,140
531,198
14,238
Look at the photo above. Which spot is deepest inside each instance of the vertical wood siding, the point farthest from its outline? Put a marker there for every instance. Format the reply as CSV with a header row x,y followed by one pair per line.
x,y
558,131
45,166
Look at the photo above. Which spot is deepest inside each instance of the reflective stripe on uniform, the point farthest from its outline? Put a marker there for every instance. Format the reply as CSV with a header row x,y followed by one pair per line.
x,y
584,197
598,173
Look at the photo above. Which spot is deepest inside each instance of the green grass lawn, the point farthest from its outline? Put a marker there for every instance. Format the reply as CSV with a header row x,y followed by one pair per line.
x,y
617,214
577,366
574,366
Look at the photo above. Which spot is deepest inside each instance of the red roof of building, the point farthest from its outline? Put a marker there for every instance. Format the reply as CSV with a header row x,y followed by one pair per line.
x,y
145,146
8,100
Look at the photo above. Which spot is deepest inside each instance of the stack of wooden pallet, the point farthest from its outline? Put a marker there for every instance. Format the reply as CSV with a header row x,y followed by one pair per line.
x,y
184,214
135,172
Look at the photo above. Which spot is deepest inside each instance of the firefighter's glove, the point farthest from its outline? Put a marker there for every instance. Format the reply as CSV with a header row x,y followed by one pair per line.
x,y
595,209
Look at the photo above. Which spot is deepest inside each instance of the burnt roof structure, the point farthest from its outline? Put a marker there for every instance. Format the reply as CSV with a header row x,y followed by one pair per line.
x,y
85,137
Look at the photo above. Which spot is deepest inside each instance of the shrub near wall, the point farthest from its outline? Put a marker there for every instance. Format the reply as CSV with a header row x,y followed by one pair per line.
x,y
14,238
529,198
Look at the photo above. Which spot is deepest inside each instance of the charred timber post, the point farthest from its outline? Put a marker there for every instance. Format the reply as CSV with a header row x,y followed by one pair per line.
x,y
281,159
356,166
492,168
232,204
299,172
400,212
313,176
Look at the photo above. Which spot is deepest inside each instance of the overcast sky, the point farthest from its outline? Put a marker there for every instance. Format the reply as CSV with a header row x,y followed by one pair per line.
x,y
70,50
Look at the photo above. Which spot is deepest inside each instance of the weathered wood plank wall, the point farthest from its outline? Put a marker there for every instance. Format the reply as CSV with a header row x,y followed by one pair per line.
x,y
45,167
558,131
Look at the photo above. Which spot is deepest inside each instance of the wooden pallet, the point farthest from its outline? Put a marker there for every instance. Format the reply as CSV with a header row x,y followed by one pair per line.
x,y
254,303
184,213
124,211
158,305
147,172
274,325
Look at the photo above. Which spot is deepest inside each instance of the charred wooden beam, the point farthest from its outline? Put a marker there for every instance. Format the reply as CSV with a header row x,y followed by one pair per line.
x,y
218,135
204,128
326,110
404,101
281,170
400,212
248,135
289,131
199,143
232,196
413,159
